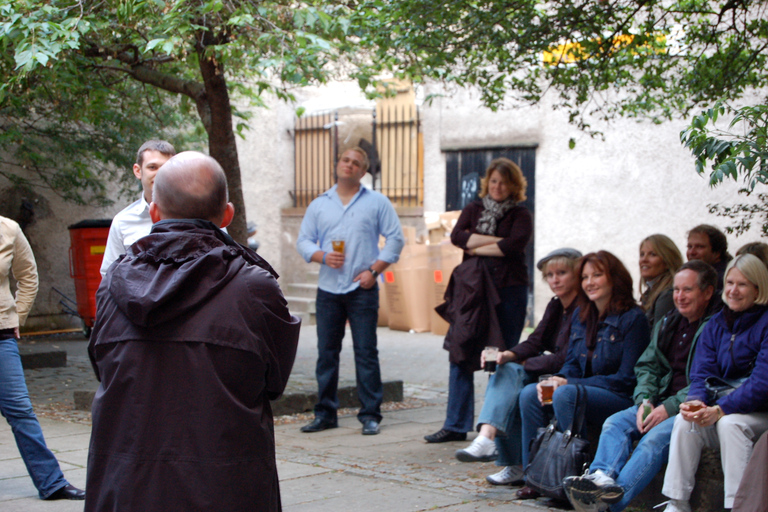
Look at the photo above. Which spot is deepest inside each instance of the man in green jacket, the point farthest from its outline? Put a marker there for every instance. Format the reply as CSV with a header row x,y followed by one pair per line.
x,y
618,474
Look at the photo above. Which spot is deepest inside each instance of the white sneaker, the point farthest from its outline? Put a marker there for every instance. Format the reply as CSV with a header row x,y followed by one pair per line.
x,y
676,506
482,449
510,475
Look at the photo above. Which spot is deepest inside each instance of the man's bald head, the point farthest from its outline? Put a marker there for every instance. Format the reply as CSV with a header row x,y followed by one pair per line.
x,y
191,185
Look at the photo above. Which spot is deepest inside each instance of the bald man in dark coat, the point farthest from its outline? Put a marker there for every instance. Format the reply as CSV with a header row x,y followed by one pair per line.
x,y
192,340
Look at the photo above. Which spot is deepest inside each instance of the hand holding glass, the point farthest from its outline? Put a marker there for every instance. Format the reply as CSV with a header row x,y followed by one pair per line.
x,y
490,354
547,389
694,405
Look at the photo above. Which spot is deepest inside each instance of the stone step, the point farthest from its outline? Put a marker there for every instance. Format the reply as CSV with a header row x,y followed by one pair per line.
x,y
33,356
307,290
300,304
292,402
306,318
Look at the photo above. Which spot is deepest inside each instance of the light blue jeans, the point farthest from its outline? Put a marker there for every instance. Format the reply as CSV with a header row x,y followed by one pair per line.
x,y
500,410
632,470
17,409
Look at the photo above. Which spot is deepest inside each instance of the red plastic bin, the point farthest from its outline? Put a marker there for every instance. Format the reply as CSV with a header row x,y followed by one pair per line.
x,y
88,240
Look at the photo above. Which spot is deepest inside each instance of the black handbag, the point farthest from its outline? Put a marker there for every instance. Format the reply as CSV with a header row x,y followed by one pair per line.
x,y
718,387
555,455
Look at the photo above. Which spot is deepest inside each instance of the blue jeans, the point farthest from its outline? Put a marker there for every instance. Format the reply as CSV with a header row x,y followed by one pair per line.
x,y
361,308
633,471
15,405
601,403
500,410
460,413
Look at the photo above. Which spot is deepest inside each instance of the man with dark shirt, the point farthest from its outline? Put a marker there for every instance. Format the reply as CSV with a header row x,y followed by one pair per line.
x,y
618,474
708,244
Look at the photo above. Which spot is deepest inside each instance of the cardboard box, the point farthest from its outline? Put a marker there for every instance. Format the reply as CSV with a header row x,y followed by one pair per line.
x,y
410,234
407,284
407,298
442,259
413,256
383,309
448,220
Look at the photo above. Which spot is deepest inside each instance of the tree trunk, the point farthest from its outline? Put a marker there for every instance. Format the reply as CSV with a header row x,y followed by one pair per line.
x,y
221,140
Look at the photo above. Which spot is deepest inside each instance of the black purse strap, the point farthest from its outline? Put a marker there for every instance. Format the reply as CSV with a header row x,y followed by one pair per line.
x,y
580,411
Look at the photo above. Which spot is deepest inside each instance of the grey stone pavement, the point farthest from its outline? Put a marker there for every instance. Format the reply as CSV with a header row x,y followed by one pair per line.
x,y
335,470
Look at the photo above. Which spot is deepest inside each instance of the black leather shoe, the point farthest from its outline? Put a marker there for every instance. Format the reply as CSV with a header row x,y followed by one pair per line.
x,y
370,427
444,436
68,492
526,493
319,424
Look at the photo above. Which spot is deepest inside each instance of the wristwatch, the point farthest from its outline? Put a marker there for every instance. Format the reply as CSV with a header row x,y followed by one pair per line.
x,y
373,272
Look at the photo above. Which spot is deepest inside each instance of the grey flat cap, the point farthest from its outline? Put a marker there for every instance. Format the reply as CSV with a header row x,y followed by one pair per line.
x,y
566,252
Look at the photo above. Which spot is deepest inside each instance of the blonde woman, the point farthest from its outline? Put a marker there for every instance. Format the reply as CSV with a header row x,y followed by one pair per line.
x,y
660,259
732,346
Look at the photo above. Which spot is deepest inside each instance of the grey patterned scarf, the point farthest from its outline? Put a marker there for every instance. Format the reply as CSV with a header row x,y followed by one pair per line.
x,y
486,224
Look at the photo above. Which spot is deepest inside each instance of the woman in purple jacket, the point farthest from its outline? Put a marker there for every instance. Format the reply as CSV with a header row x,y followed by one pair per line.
x,y
733,346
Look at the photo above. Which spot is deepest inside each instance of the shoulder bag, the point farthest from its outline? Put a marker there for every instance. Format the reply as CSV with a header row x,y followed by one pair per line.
x,y
556,455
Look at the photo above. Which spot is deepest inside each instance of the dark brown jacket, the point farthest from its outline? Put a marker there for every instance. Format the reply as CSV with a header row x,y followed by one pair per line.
x,y
515,227
192,339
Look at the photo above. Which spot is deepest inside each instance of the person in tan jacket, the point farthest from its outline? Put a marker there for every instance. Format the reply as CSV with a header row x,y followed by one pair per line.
x,y
16,258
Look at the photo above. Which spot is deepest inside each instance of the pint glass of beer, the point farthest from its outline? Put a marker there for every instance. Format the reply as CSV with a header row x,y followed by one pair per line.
x,y
547,389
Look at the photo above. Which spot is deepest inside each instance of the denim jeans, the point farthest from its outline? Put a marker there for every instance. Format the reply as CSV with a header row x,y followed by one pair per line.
x,y
632,470
601,403
361,308
500,410
15,405
460,413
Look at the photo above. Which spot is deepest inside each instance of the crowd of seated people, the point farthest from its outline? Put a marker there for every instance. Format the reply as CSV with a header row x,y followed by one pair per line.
x,y
645,365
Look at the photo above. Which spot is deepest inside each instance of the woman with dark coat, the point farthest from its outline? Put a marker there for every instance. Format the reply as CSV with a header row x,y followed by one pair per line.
x,y
487,296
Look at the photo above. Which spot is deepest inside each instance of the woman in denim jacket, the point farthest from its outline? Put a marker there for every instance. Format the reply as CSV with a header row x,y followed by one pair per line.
x,y
608,334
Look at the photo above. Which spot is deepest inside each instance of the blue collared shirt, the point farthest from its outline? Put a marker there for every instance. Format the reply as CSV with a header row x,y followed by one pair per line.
x,y
367,215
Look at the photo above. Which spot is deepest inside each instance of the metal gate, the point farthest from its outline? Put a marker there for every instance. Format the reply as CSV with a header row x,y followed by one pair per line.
x,y
391,136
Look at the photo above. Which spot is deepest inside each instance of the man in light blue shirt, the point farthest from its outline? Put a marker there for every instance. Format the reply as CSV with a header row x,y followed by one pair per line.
x,y
347,287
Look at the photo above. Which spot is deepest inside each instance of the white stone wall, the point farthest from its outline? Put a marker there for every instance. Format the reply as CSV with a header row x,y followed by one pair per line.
x,y
601,195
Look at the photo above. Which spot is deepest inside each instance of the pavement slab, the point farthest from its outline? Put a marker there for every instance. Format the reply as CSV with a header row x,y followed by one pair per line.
x,y
334,470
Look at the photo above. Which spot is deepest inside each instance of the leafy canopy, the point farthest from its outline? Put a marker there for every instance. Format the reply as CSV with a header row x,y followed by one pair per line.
x,y
601,57
98,78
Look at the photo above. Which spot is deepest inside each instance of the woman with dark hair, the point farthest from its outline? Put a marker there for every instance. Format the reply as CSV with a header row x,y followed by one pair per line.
x,y
660,259
608,334
493,231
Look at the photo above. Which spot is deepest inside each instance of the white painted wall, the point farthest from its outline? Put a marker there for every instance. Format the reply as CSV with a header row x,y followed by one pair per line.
x,y
601,195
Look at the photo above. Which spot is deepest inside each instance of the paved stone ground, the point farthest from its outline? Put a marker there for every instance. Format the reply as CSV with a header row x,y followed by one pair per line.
x,y
334,470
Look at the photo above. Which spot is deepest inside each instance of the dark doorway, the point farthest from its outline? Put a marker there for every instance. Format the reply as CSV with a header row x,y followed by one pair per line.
x,y
464,170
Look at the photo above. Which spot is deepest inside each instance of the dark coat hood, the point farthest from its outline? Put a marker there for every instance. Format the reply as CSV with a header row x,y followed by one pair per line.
x,y
167,266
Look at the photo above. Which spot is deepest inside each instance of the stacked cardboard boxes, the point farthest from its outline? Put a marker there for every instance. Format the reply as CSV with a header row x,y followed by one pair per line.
x,y
411,288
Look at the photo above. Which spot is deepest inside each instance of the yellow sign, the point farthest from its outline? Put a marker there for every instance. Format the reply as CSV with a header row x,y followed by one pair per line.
x,y
98,249
570,52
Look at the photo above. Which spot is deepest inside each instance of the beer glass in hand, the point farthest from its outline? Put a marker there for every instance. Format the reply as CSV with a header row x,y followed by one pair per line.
x,y
547,389
490,354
